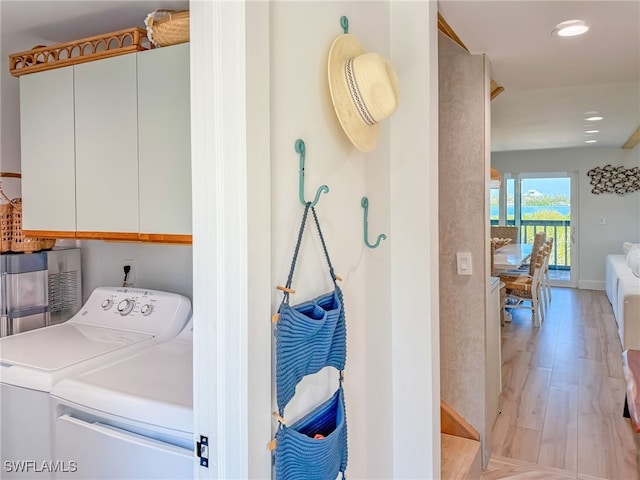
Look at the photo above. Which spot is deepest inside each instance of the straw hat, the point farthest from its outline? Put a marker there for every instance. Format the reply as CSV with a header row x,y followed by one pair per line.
x,y
364,90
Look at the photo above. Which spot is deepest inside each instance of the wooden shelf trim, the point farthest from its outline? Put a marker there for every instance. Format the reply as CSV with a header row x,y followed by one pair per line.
x,y
634,139
41,57
495,89
452,423
166,238
445,28
114,236
48,234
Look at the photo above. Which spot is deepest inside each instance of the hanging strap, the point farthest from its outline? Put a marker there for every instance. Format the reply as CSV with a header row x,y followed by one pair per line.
x,y
287,288
324,246
285,298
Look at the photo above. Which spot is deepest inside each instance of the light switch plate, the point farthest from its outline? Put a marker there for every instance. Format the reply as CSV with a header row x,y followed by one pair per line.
x,y
464,263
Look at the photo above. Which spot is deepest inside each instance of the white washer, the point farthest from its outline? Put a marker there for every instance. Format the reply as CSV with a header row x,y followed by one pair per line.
x,y
132,419
112,324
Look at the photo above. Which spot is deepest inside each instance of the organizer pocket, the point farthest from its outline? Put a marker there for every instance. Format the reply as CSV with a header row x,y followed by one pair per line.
x,y
309,337
298,455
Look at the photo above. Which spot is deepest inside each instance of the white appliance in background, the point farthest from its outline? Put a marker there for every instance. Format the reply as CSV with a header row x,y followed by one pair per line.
x,y
23,292
64,283
113,323
132,419
39,289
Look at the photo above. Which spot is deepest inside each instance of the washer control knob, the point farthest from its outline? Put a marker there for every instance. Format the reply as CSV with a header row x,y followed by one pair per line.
x,y
125,306
146,309
107,303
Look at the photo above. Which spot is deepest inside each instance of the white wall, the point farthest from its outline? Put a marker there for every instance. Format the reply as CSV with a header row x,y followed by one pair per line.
x,y
390,293
10,118
301,108
414,243
621,212
10,103
158,267
9,124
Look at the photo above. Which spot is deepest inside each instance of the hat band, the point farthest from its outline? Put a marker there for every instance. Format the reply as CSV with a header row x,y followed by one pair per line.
x,y
356,97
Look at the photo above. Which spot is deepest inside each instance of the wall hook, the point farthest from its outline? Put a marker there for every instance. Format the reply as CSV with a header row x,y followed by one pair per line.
x,y
344,23
365,204
301,149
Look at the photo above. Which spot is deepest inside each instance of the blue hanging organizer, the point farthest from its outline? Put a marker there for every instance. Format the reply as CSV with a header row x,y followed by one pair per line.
x,y
309,337
314,447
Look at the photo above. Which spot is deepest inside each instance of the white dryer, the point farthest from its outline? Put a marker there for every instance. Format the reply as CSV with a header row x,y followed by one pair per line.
x,y
132,419
112,324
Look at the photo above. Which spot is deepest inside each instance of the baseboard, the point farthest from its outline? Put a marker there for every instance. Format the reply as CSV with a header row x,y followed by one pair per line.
x,y
591,285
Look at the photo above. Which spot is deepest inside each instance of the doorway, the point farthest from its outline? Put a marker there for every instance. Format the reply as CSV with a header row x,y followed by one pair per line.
x,y
542,201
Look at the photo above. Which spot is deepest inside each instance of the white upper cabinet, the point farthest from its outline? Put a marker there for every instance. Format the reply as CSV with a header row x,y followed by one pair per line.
x,y
47,144
106,148
107,145
164,140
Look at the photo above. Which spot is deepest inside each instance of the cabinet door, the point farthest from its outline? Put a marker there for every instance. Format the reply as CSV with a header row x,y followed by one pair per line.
x,y
48,153
164,136
106,145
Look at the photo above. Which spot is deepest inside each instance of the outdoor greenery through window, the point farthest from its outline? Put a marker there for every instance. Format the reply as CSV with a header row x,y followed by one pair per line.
x,y
540,204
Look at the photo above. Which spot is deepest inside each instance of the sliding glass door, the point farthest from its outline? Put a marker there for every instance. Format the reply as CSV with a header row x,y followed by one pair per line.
x,y
538,202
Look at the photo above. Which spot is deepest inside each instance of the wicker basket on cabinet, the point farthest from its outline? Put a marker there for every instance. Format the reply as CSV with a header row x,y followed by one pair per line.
x,y
20,243
168,27
6,226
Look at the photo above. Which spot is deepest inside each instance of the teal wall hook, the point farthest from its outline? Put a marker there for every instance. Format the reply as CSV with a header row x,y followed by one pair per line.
x,y
344,23
365,204
301,149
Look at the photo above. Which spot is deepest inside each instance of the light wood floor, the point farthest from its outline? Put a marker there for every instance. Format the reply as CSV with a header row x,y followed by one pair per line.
x,y
563,395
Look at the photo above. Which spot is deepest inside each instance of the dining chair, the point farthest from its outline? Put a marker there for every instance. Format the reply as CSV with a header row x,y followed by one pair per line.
x,y
504,231
538,241
503,289
523,290
492,250
543,292
546,284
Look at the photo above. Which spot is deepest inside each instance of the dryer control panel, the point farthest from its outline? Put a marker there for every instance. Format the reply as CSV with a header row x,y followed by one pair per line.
x,y
162,314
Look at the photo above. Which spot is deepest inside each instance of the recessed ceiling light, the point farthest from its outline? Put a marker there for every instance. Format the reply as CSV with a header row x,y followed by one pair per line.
x,y
594,118
571,28
590,141
592,131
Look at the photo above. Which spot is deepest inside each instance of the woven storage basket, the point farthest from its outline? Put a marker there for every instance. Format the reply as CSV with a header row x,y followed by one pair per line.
x,y
6,224
20,243
168,27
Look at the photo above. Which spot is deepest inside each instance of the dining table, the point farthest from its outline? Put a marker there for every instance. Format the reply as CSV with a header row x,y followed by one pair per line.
x,y
511,257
